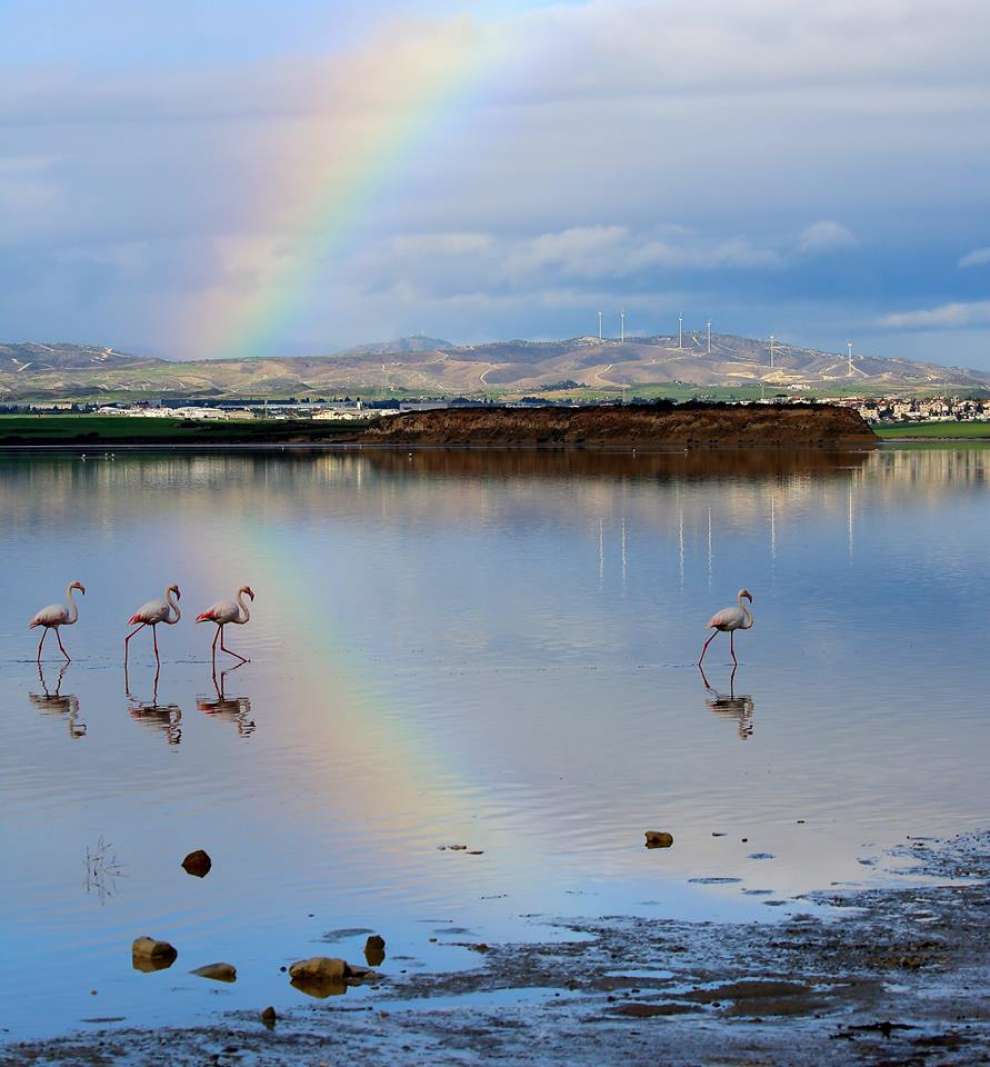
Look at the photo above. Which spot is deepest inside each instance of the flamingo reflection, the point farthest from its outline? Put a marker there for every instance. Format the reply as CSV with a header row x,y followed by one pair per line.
x,y
739,707
165,717
232,709
56,703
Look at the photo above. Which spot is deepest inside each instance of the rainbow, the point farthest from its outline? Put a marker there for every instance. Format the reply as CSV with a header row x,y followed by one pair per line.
x,y
375,106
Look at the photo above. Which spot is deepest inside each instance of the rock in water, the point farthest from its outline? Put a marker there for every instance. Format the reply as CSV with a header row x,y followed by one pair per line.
x,y
147,954
658,839
197,863
269,1017
374,950
219,972
320,976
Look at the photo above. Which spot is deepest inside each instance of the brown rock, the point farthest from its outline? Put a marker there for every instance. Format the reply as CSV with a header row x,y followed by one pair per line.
x,y
147,954
374,950
658,839
219,972
197,863
269,1017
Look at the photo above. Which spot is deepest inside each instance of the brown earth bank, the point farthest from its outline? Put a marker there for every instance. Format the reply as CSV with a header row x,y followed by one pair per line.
x,y
629,426
895,975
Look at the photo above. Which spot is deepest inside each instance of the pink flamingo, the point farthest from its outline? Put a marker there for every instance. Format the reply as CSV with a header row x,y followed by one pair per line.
x,y
728,620
151,614
56,615
224,612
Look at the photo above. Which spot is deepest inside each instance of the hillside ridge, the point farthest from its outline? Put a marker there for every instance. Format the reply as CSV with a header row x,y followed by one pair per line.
x,y
429,366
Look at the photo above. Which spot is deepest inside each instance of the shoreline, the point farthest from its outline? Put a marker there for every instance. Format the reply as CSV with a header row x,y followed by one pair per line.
x,y
899,978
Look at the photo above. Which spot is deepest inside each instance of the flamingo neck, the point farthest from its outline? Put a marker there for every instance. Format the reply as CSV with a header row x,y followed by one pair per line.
x,y
244,609
73,607
747,614
173,606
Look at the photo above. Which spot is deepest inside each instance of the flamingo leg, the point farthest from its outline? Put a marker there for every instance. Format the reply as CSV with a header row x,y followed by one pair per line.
x,y
732,647
44,634
230,652
61,646
216,637
128,637
154,637
705,648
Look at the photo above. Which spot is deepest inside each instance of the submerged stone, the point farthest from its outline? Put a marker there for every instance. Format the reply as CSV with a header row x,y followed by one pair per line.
x,y
374,950
658,839
148,954
197,863
219,972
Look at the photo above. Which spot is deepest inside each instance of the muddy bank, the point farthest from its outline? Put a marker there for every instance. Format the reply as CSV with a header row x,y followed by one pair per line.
x,y
900,977
633,426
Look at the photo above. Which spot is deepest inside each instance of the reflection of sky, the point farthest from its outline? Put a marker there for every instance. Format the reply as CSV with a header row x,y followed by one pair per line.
x,y
501,658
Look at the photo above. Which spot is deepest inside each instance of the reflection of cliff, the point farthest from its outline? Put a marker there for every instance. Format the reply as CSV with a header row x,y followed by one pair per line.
x,y
663,466
646,426
653,490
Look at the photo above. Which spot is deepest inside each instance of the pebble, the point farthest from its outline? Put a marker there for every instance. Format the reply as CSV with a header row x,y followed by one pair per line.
x,y
197,863
659,839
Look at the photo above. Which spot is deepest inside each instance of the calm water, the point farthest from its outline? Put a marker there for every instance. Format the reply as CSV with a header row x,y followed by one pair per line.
x,y
466,648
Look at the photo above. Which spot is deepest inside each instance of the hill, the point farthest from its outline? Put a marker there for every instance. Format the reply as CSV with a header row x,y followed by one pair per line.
x,y
423,365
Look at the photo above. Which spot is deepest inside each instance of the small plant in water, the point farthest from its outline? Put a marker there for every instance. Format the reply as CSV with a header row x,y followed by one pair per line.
x,y
102,870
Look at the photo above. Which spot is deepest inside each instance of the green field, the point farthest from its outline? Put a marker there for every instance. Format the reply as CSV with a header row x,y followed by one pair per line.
x,y
942,431
96,430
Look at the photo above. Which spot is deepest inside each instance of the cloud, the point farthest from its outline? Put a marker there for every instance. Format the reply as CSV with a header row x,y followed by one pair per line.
x,y
956,315
825,236
979,257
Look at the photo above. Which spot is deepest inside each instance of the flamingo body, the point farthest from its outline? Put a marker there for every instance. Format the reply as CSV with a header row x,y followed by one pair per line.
x,y
228,612
151,614
728,620
55,615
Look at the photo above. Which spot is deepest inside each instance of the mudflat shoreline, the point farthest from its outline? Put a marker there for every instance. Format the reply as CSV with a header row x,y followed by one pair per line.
x,y
899,977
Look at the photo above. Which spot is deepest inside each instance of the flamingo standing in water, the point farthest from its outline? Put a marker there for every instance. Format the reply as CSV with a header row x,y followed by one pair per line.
x,y
225,612
728,620
151,614
56,615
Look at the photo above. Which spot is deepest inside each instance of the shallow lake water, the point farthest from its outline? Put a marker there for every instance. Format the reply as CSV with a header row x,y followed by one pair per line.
x,y
470,648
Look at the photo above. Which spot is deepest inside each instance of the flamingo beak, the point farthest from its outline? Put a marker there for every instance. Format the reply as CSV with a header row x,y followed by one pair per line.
x,y
749,596
250,593
81,588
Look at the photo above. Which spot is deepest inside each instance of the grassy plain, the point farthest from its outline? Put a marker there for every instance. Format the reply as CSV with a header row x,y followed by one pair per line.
x,y
96,430
937,431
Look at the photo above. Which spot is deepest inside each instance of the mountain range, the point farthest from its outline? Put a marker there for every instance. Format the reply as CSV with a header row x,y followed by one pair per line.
x,y
431,366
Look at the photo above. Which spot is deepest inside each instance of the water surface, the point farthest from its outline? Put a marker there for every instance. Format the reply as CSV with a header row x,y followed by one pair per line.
x,y
466,648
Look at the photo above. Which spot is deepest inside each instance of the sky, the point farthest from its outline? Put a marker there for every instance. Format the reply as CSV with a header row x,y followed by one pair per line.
x,y
248,178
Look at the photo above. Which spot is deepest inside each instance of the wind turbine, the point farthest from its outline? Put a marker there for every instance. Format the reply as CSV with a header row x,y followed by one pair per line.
x,y
708,325
622,326
599,325
680,331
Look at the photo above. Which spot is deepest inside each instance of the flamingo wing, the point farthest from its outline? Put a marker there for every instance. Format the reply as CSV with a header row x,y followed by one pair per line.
x,y
223,611
152,612
53,615
726,619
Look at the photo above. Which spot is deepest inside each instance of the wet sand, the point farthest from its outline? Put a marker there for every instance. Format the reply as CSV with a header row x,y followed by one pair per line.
x,y
880,976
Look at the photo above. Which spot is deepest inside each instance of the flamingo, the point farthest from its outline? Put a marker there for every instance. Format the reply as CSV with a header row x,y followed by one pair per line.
x,y
151,614
728,620
56,615
224,612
